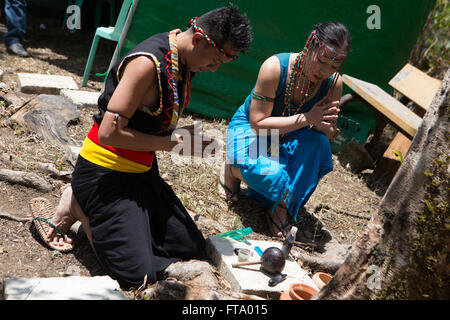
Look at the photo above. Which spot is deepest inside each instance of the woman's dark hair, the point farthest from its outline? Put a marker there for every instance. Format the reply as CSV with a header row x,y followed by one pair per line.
x,y
334,34
227,24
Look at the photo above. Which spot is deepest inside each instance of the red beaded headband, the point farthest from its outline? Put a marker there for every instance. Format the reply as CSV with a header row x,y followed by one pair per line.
x,y
328,51
302,65
193,24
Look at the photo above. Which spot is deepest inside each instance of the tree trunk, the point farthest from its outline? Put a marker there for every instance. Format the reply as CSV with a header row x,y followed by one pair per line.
x,y
404,251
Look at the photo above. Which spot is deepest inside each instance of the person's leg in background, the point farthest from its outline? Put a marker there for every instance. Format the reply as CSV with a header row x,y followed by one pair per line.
x,y
16,22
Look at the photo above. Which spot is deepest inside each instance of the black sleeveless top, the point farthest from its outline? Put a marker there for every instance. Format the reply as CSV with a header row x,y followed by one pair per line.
x,y
160,119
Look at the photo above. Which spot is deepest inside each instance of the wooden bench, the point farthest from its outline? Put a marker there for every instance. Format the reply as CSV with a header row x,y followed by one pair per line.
x,y
412,84
416,85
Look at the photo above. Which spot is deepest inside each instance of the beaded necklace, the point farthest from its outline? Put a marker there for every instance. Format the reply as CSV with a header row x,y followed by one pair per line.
x,y
294,82
295,76
302,71
175,76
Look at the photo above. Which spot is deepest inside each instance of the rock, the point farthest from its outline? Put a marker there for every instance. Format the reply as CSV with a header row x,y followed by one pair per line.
x,y
43,83
200,271
328,255
63,288
4,87
48,115
173,289
188,280
72,153
329,260
81,98
355,157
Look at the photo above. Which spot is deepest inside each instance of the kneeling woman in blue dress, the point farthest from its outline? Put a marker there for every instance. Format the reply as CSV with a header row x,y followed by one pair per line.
x,y
278,140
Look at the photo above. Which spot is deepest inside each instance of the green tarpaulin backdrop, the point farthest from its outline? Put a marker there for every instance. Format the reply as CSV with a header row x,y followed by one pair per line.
x,y
283,26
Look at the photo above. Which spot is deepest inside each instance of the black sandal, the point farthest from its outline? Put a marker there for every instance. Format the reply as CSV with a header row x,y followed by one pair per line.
x,y
280,228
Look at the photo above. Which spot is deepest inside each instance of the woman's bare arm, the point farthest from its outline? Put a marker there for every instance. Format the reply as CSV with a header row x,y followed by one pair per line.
x,y
138,78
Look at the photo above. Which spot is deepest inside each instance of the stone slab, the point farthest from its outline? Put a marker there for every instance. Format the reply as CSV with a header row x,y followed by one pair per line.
x,y
44,83
63,288
81,98
250,279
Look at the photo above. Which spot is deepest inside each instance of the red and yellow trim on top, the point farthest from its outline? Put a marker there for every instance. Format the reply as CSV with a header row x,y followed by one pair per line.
x,y
131,161
116,159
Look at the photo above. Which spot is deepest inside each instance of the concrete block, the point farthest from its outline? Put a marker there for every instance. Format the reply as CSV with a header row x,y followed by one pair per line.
x,y
250,279
63,288
81,98
44,83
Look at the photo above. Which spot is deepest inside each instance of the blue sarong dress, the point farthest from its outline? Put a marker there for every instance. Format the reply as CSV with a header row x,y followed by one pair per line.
x,y
290,175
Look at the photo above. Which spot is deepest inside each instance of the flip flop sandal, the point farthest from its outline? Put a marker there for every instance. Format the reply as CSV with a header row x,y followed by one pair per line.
x,y
281,228
42,211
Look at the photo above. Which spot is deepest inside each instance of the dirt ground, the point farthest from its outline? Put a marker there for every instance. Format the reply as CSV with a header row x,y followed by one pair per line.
x,y
343,201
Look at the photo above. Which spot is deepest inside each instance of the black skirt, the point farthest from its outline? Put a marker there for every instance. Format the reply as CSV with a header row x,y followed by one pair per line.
x,y
138,224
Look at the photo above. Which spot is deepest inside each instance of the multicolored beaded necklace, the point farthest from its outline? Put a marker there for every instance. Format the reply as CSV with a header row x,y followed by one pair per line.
x,y
174,77
305,89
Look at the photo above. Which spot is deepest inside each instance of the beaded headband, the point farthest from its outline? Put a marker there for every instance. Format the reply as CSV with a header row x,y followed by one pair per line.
x,y
303,65
328,51
193,24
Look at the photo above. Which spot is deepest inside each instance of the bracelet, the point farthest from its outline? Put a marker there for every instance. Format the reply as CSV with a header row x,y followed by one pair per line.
x,y
116,117
261,97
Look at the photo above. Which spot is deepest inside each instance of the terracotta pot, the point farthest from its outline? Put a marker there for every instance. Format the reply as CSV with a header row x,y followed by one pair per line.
x,y
321,279
298,291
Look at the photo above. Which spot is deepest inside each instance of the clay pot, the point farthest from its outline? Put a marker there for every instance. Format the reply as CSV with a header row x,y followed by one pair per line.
x,y
298,291
321,279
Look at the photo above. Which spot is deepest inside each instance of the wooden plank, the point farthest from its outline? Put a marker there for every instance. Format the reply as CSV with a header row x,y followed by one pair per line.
x,y
388,165
416,85
399,143
386,104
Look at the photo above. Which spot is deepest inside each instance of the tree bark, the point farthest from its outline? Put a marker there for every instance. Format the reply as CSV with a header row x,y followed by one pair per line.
x,y
404,251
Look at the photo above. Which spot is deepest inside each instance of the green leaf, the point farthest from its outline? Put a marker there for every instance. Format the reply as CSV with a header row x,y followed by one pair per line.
x,y
399,155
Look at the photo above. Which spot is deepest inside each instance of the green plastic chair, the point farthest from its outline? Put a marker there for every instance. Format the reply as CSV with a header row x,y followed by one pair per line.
x,y
109,33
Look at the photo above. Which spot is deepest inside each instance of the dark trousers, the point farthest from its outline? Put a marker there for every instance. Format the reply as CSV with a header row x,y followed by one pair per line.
x,y
138,224
16,21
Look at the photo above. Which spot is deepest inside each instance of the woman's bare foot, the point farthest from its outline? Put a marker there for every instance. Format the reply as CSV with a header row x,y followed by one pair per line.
x,y
62,219
278,221
229,185
67,213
